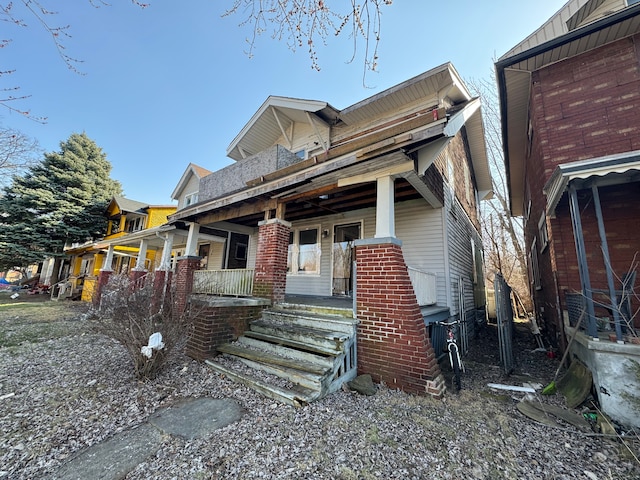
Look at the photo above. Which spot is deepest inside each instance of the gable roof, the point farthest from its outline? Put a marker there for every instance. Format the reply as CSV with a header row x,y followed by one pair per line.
x,y
272,119
191,170
127,205
553,42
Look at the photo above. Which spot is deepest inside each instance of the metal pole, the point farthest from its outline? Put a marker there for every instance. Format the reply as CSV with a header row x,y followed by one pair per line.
x,y
582,261
607,261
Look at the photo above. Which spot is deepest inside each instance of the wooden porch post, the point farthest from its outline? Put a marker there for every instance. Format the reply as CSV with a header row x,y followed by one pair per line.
x,y
385,211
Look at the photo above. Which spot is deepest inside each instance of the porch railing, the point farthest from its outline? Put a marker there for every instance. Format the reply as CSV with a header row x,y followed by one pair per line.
x,y
424,286
235,282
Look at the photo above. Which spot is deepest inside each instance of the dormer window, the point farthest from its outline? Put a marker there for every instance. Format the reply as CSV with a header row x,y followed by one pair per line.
x,y
190,199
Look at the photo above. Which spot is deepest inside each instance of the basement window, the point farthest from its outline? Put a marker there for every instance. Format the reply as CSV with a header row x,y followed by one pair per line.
x,y
303,257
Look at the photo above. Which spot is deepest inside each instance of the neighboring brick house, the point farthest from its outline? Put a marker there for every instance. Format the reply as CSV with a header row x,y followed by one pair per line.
x,y
570,107
376,202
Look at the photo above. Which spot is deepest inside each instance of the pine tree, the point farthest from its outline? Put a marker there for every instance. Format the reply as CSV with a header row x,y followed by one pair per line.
x,y
60,200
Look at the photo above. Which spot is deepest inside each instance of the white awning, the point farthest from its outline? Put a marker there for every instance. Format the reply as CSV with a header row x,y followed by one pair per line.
x,y
609,170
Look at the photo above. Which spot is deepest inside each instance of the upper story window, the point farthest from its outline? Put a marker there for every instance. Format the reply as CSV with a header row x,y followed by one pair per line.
x,y
134,224
190,199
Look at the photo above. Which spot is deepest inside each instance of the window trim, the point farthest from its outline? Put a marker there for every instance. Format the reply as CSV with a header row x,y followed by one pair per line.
x,y
293,255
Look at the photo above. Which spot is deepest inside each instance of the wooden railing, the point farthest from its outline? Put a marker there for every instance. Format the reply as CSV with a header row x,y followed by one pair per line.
x,y
424,286
235,282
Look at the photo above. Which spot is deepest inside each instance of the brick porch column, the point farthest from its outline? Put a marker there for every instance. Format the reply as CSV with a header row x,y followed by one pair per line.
x,y
270,278
161,289
103,279
184,282
137,277
393,343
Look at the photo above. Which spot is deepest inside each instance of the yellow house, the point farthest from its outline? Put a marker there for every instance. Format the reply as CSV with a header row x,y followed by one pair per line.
x,y
126,218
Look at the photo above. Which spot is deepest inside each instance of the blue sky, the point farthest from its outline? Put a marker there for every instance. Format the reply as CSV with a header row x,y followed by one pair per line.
x,y
169,85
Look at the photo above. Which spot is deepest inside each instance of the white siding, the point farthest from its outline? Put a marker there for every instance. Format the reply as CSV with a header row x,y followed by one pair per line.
x,y
192,186
419,227
252,250
460,231
321,284
216,255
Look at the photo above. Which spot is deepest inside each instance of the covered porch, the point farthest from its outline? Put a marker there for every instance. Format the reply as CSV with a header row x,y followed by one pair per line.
x,y
600,303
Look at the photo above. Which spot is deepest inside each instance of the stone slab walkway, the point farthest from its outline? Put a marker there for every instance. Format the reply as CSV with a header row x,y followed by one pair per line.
x,y
114,458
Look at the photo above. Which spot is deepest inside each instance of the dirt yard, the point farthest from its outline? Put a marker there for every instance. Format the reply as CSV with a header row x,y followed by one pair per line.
x,y
64,388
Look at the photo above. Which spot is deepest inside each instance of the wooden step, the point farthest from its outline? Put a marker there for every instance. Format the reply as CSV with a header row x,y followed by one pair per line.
x,y
261,356
308,380
323,338
301,346
297,397
286,351
334,323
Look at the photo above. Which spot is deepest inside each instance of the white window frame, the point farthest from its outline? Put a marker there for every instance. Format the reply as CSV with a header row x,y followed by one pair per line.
x,y
543,233
190,199
535,267
294,252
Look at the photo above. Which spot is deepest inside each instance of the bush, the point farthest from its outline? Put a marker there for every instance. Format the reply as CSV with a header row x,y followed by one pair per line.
x,y
129,313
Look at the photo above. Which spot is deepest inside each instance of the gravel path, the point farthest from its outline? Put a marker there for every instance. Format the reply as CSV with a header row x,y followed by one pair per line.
x,y
60,395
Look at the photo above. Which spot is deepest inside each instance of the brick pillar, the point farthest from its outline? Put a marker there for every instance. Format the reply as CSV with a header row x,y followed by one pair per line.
x,y
184,282
137,277
214,325
161,289
103,278
270,278
393,343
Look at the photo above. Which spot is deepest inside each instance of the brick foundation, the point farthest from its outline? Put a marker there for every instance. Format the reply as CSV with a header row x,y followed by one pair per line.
x,y
271,260
214,325
393,343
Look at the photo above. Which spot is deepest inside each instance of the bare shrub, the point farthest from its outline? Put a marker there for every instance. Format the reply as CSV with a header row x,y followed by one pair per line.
x,y
130,314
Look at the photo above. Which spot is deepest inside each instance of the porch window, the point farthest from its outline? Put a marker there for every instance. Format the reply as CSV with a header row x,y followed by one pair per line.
x,y
304,252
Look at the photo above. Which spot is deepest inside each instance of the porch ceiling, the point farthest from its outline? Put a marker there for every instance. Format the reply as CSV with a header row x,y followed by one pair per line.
x,y
322,201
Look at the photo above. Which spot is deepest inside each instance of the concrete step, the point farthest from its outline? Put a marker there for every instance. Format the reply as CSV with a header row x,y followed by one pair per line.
x,y
297,396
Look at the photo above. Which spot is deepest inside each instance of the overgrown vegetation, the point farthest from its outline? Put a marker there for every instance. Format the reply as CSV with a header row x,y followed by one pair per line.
x,y
130,313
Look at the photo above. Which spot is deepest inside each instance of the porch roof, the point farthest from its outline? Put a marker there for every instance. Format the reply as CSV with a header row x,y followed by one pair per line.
x,y
608,170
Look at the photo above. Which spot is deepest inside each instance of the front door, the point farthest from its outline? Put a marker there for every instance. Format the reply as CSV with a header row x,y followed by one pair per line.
x,y
343,238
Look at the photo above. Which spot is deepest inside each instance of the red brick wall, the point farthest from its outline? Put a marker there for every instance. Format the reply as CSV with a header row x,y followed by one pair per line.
x,y
216,325
271,260
393,343
584,107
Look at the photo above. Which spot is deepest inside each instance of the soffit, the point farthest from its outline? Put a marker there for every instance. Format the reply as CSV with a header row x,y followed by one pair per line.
x,y
276,114
440,82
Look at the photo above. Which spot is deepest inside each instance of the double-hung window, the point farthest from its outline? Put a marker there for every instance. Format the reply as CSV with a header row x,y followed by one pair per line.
x,y
304,252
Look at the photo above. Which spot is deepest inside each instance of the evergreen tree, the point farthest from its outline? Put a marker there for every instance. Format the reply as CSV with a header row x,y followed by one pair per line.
x,y
59,200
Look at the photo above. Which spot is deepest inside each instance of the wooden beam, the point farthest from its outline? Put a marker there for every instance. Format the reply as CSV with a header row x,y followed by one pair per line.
x,y
373,176
311,193
242,210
